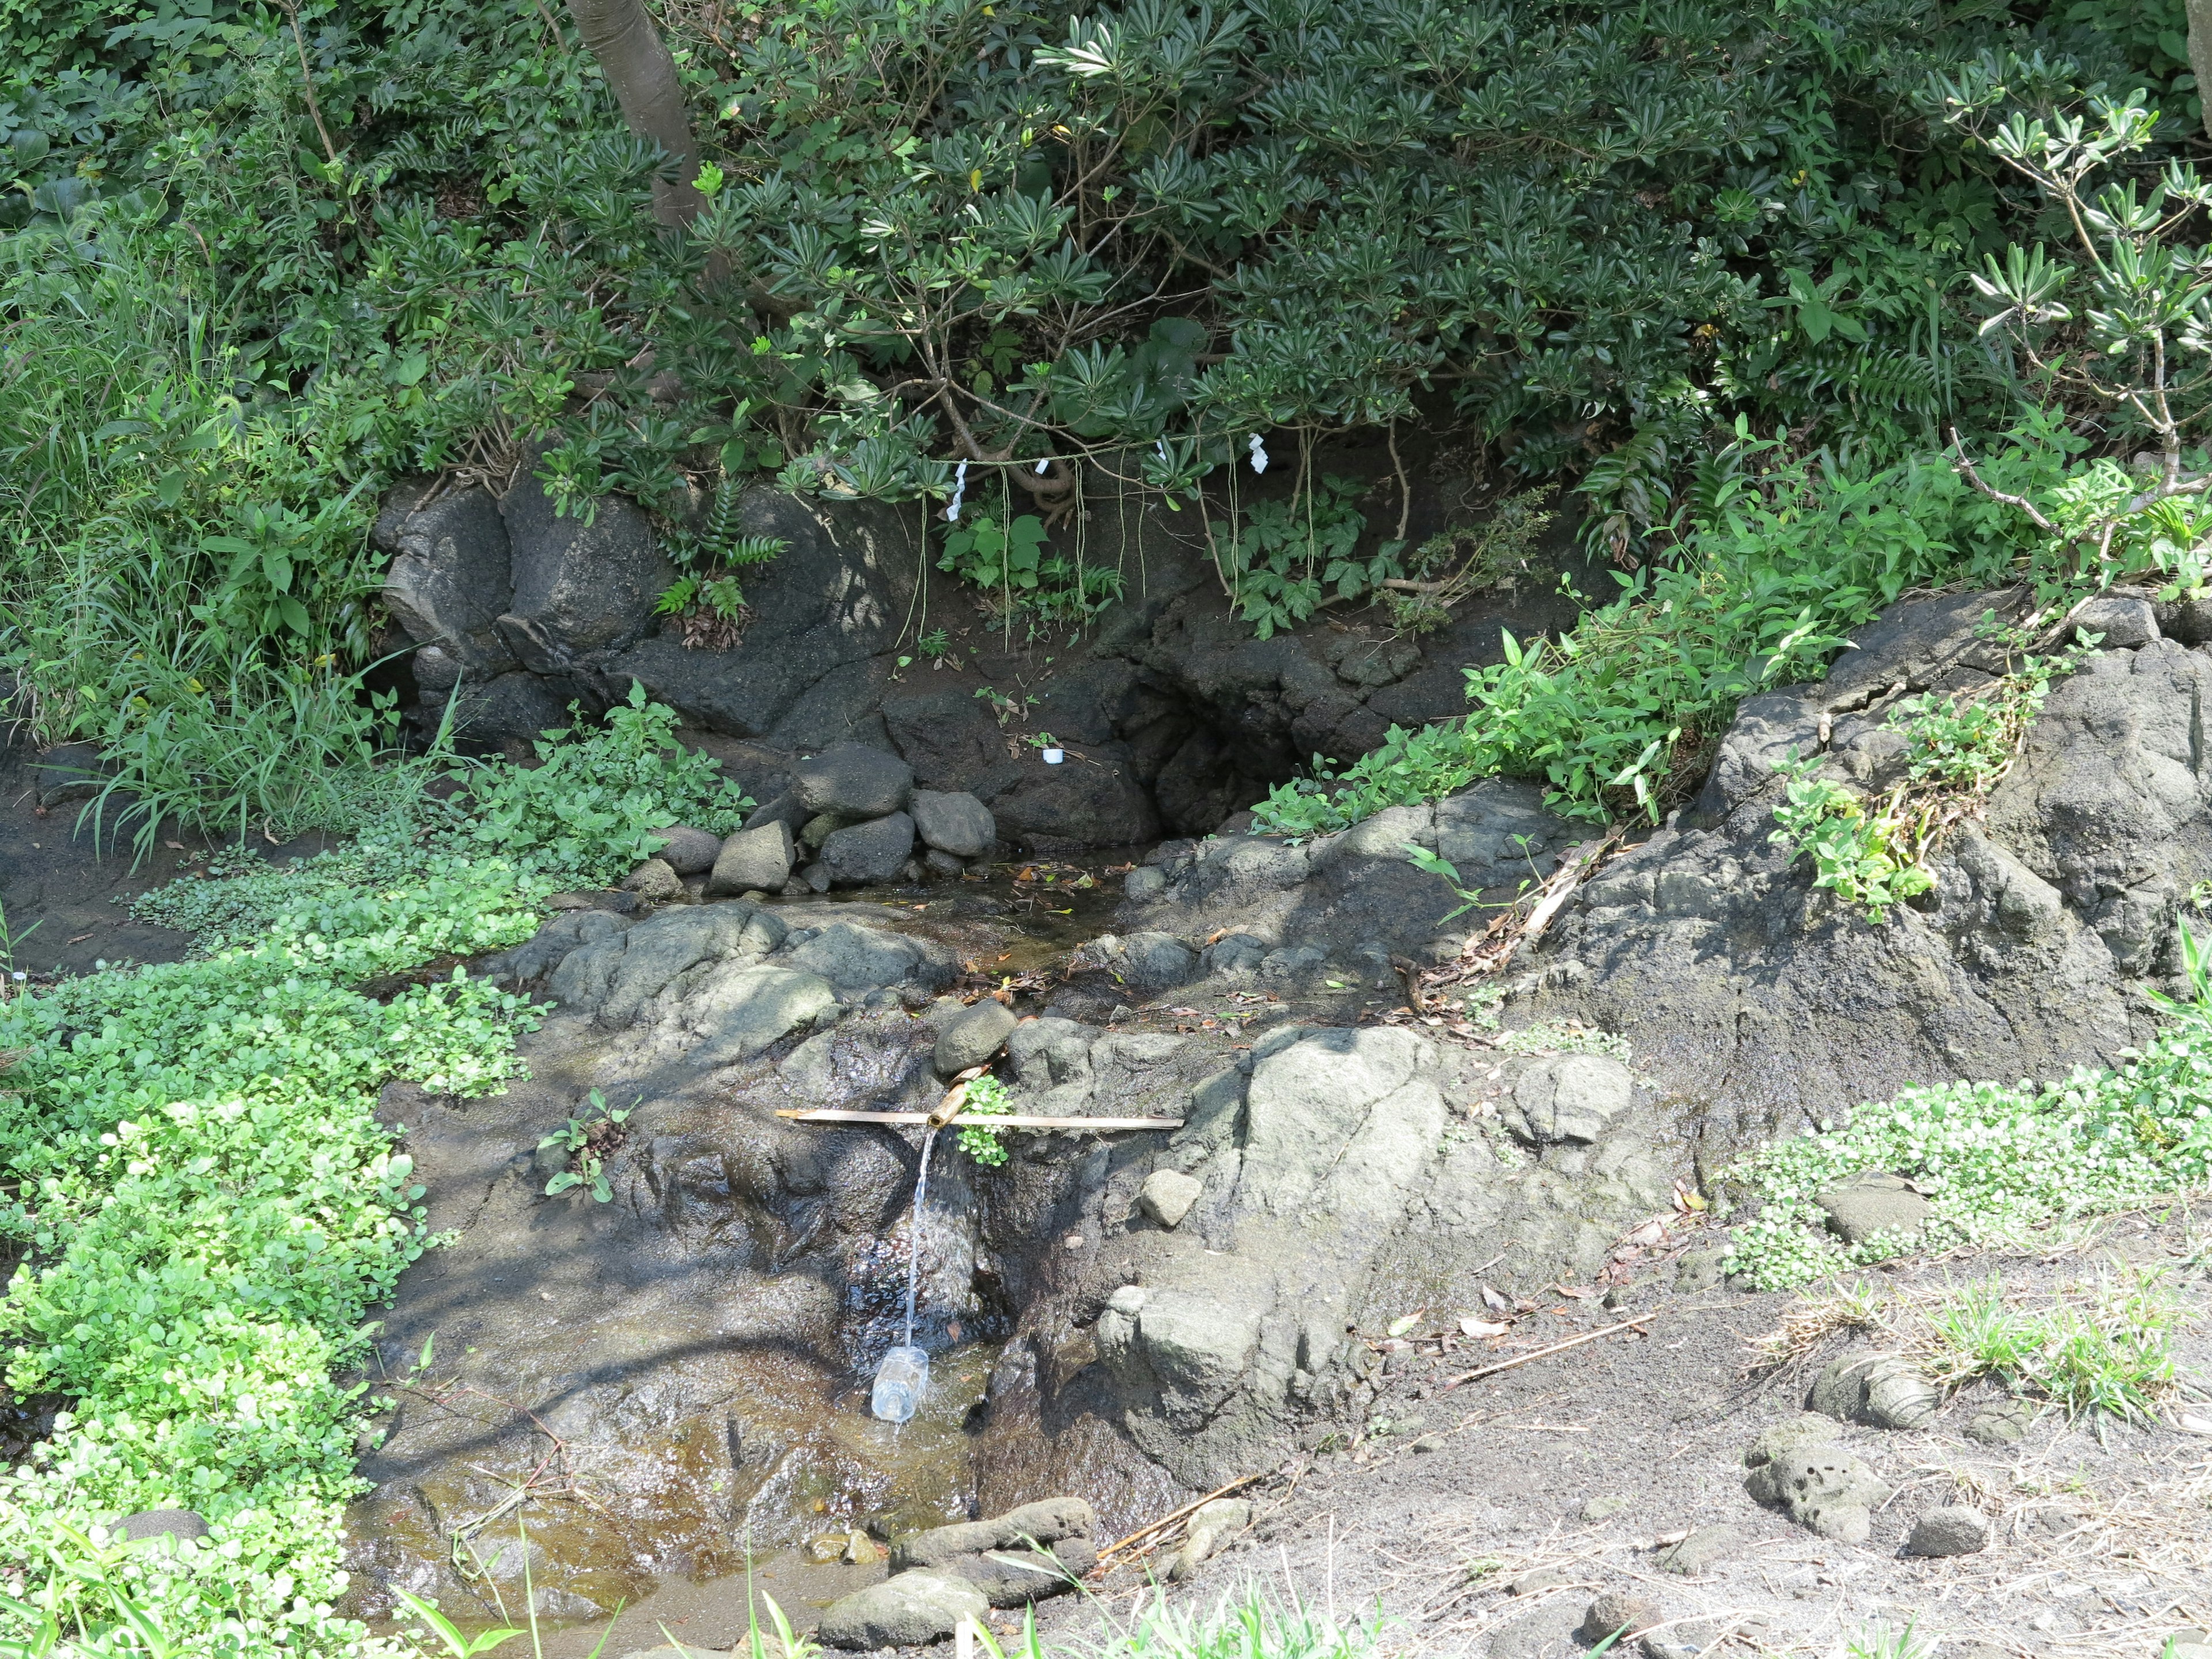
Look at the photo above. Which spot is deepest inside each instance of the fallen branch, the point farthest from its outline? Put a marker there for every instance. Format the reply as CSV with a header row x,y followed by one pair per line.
x,y
1008,1120
1163,1524
1636,1325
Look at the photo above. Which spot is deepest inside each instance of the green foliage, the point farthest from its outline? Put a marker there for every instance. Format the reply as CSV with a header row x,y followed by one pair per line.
x,y
587,812
1280,564
1957,749
710,557
988,1097
1994,1160
1497,552
2106,1346
1866,858
586,1142
194,1164
1786,563
1011,565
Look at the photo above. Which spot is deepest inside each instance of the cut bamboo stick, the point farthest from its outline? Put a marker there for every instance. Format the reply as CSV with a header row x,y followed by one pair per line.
x,y
984,1120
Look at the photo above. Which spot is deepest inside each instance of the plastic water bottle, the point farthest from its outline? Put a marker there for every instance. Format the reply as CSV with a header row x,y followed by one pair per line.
x,y
901,1382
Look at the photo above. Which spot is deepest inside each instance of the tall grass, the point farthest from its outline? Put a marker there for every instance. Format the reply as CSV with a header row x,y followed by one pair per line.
x,y
183,570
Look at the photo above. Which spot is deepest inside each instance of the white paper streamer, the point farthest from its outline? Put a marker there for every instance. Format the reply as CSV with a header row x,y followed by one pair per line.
x,y
1259,453
960,489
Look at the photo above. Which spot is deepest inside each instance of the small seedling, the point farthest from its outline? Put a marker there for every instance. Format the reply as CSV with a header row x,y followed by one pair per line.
x,y
588,1141
986,1096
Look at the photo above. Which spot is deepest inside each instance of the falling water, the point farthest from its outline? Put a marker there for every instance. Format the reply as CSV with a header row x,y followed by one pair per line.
x,y
903,1376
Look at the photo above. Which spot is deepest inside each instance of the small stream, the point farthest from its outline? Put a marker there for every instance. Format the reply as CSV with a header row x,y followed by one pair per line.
x,y
713,1364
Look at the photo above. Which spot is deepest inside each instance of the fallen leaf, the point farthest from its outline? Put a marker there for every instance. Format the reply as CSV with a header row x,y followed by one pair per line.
x,y
1495,1303
2189,1423
1470,1326
1400,1327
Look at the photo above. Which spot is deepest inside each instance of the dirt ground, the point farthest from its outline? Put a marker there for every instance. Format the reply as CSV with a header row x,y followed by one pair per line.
x,y
1567,1477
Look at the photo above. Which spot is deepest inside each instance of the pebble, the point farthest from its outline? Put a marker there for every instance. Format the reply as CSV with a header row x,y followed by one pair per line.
x,y
1952,1530
1604,1506
1429,1442
1616,1610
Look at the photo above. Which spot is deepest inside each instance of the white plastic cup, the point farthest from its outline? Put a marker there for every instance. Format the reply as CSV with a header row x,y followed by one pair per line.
x,y
901,1382
1054,757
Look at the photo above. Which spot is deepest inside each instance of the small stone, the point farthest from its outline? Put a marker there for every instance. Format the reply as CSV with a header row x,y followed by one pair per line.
x,y
176,1525
1617,1612
1604,1506
819,829
687,851
2002,1426
1952,1530
1211,1526
862,1551
1872,1204
1429,1442
1167,1196
825,1547
654,882
972,1037
941,863
1775,1442
2124,621
1667,1645
1699,1550
1144,882
1700,1270
752,859
1826,1490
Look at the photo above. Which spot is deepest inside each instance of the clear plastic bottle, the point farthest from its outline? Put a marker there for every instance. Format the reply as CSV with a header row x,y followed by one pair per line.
x,y
901,1382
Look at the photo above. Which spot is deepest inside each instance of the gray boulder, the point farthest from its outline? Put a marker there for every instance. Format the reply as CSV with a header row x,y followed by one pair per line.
x,y
905,1611
1762,1457
737,1011
450,578
973,1036
1952,1530
857,959
2125,620
654,882
1145,961
1824,1488
67,772
853,782
752,860
1871,1204
1024,1555
1572,1098
579,588
954,822
687,851
869,855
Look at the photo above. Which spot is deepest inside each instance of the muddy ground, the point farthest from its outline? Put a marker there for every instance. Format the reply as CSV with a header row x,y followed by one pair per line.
x,y
1488,1516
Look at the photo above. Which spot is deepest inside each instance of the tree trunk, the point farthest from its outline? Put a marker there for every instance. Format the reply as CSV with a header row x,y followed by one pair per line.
x,y
2200,53
636,63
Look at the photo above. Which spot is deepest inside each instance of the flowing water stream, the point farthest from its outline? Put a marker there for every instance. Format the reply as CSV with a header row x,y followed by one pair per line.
x,y
902,1378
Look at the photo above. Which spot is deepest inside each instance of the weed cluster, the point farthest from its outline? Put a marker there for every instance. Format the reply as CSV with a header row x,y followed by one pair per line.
x,y
191,1155
986,1097
1994,1160
588,811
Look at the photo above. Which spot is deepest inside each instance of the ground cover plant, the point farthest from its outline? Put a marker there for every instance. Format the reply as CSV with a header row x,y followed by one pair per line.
x,y
1995,1160
205,1207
